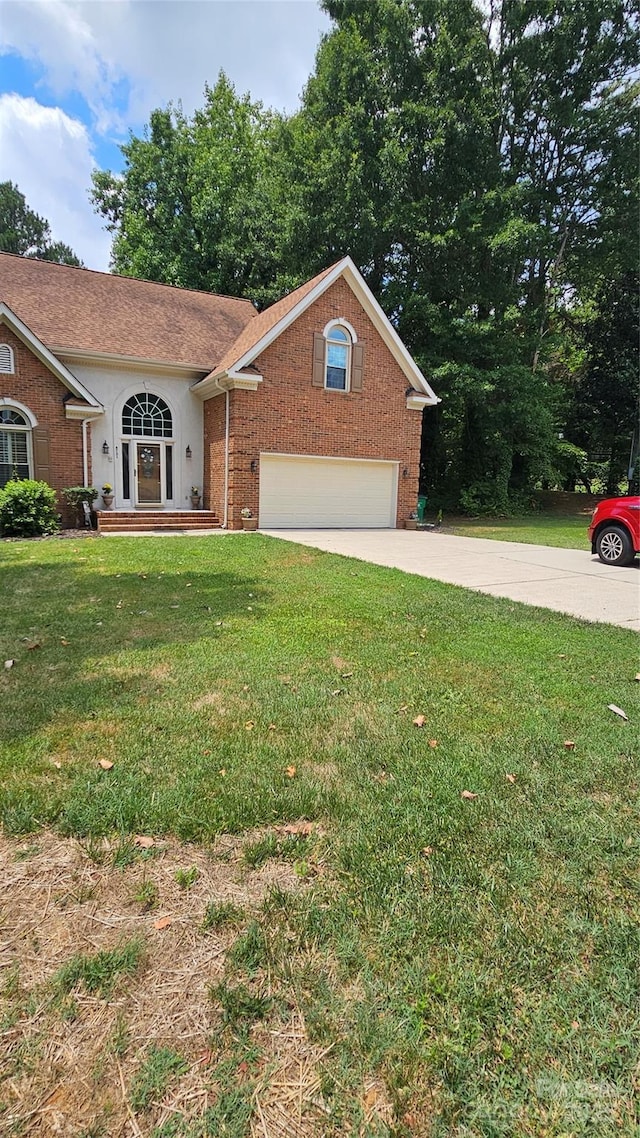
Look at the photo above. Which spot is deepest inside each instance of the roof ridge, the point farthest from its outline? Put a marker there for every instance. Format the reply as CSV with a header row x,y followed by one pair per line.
x,y
125,277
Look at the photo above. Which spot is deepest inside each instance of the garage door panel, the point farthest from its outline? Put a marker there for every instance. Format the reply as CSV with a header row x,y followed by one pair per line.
x,y
299,491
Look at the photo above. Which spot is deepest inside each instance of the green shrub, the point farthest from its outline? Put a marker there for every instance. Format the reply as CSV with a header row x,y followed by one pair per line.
x,y
28,509
76,495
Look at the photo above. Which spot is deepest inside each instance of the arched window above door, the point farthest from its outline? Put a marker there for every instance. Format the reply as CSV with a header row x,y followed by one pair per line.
x,y
147,416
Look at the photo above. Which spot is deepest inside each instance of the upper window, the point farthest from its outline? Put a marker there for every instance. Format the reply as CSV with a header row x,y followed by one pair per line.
x,y
6,359
147,415
15,436
338,359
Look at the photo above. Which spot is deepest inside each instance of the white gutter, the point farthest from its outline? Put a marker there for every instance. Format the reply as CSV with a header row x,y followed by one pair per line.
x,y
225,520
85,454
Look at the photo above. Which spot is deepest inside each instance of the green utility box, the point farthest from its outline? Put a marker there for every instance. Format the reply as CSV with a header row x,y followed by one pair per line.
x,y
422,505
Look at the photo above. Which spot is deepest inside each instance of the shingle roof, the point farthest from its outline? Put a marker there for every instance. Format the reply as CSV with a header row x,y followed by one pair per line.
x,y
100,312
267,320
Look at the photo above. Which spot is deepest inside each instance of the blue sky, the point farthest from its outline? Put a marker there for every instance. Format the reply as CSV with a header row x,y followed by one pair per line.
x,y
77,75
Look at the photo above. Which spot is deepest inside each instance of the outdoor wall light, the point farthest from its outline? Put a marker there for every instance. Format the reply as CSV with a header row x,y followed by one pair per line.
x,y
105,447
254,465
188,452
405,472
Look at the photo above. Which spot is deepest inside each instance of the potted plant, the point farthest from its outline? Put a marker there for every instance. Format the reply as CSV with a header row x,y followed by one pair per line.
x,y
248,520
195,497
412,521
107,495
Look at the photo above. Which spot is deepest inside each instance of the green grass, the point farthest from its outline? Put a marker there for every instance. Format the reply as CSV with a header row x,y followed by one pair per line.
x,y
491,982
537,529
99,972
161,1067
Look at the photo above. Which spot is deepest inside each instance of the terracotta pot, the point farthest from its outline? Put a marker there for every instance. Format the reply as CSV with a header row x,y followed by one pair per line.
x,y
250,523
411,523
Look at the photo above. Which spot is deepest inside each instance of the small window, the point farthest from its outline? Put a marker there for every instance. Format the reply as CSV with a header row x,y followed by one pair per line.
x,y
6,359
338,359
15,445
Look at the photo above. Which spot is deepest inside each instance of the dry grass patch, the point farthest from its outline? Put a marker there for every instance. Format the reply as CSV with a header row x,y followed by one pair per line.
x,y
108,1024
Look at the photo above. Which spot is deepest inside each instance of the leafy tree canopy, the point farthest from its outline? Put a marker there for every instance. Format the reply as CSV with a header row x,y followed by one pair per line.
x,y
26,233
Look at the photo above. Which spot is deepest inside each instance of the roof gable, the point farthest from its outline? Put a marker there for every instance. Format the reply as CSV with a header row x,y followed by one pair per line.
x,y
271,323
47,358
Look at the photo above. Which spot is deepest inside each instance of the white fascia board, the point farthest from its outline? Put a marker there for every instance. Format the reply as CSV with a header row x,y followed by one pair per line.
x,y
141,363
72,411
7,316
230,380
391,338
417,402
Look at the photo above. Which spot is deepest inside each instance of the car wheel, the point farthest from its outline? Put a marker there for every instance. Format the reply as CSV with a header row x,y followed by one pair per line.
x,y
613,546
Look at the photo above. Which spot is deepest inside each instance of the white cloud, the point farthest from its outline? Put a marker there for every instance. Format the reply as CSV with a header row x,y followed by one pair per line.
x,y
146,53
48,155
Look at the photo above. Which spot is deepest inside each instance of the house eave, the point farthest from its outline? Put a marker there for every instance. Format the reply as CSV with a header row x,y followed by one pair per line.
x,y
140,363
231,380
48,357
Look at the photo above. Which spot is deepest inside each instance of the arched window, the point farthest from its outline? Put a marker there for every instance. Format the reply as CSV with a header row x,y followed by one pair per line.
x,y
337,371
15,445
6,359
147,416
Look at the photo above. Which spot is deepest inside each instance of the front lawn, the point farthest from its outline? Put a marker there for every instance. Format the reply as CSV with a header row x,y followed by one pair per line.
x,y
447,928
537,529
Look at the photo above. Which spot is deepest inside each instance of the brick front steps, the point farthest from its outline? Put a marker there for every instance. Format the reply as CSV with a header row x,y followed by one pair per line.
x,y
124,521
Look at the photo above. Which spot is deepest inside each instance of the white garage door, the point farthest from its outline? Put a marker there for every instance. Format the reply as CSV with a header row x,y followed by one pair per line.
x,y
298,492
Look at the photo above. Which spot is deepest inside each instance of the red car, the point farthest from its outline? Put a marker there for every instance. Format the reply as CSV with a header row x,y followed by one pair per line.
x,y
614,532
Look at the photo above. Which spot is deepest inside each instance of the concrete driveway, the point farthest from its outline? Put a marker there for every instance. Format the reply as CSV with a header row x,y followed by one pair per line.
x,y
566,580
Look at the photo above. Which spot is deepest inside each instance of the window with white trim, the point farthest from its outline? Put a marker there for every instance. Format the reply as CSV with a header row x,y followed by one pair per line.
x,y
6,359
337,372
147,415
15,445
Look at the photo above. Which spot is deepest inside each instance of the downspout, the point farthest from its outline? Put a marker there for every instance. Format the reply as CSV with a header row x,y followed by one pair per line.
x,y
85,454
225,520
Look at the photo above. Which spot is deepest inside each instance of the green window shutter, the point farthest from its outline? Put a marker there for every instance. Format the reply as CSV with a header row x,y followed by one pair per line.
x,y
357,367
318,360
41,455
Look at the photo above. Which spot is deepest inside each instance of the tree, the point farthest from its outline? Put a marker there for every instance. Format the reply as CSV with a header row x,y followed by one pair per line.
x,y
26,233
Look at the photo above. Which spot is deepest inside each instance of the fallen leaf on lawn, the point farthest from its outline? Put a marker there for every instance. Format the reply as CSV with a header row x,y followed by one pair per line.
x,y
9,664
245,687
371,1098
468,794
56,764
144,842
106,764
618,711
575,1025
420,721
272,727
412,653
188,585
37,644
249,725
401,710
243,1068
218,624
222,773
205,1057
433,743
206,752
345,675
561,656
569,745
285,679
63,640
162,923
427,850
119,605
637,677
337,691
510,778
290,772
298,828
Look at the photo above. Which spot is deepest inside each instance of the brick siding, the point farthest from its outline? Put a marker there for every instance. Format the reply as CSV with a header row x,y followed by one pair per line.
x,y
33,385
288,415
